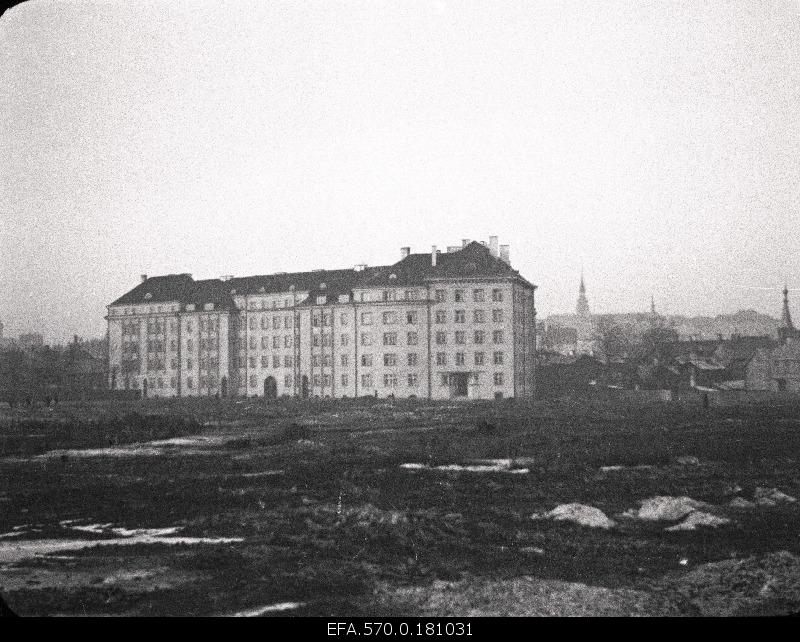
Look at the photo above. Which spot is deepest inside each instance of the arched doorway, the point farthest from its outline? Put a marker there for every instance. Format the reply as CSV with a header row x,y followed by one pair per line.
x,y
224,386
304,387
270,388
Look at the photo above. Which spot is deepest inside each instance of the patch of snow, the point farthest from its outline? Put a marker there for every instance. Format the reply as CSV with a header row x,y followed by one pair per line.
x,y
771,497
741,502
413,466
664,508
688,460
138,451
263,473
699,518
471,468
579,514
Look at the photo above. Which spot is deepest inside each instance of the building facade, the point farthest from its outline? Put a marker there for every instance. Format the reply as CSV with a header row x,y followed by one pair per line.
x,y
439,325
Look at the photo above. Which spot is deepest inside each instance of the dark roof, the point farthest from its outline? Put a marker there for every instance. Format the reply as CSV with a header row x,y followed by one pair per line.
x,y
473,261
171,287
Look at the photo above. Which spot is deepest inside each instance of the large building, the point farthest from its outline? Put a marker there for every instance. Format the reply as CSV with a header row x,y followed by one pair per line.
x,y
455,324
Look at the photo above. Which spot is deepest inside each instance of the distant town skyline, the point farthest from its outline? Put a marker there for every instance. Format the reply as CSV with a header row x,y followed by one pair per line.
x,y
654,145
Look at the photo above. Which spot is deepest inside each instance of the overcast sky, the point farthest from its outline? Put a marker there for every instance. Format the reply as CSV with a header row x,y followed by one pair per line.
x,y
656,144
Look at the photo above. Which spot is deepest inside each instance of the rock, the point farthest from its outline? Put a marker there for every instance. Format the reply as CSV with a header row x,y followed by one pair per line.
x,y
699,518
665,508
771,497
741,502
579,514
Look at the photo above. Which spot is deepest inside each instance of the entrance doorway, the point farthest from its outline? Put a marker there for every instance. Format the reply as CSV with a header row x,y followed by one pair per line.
x,y
270,388
459,382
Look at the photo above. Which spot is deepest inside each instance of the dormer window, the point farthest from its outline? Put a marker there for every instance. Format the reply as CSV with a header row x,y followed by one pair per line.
x,y
322,286
148,296
233,291
190,307
208,306
392,276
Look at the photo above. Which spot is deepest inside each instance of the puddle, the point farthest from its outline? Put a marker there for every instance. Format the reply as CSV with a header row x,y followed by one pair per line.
x,y
471,468
272,608
14,551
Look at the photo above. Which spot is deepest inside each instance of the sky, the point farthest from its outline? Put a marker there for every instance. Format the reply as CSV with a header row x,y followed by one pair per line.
x,y
654,145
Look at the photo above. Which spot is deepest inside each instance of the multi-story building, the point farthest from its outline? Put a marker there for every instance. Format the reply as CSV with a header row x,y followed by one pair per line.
x,y
459,324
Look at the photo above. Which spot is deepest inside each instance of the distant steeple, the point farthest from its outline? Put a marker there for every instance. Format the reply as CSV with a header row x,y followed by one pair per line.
x,y
786,316
582,309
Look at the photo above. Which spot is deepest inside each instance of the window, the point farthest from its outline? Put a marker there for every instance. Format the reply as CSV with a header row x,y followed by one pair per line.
x,y
411,318
412,359
498,378
189,344
389,318
478,316
251,324
287,381
390,380
315,320
287,341
390,338
287,361
460,316
461,337
458,296
389,359
315,361
276,323
441,359
173,345
413,380
497,295
345,340
477,295
189,364
344,380
276,343
411,295
253,381
174,363
497,316
265,362
326,361
366,318
252,343
263,323
412,338
315,380
264,343
445,379
497,336
366,360
344,319
480,336
276,361
441,338
252,362
326,380
287,321
173,382
366,339
459,358
189,383
479,358
441,316
440,296
366,381
345,360
498,358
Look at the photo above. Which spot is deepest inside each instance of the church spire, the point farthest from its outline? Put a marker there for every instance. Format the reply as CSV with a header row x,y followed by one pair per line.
x,y
786,316
582,308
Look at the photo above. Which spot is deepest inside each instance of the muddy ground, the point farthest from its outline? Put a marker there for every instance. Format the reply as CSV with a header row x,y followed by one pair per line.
x,y
371,507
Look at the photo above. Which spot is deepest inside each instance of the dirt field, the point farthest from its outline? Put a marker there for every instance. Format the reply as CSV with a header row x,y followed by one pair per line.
x,y
366,507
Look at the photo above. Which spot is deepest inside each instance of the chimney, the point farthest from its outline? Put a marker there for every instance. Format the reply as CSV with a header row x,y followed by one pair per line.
x,y
464,242
404,252
505,254
493,245
433,256
144,278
